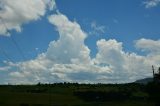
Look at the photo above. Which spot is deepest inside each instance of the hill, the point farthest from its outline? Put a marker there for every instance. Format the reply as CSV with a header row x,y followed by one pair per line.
x,y
144,81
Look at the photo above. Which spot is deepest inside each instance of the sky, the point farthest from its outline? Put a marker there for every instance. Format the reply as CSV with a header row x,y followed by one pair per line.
x,y
85,41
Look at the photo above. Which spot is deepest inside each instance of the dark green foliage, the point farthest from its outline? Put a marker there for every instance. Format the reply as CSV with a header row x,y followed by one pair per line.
x,y
101,96
23,104
74,94
153,90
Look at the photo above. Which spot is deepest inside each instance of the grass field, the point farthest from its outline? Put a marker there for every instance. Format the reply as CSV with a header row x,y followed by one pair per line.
x,y
66,94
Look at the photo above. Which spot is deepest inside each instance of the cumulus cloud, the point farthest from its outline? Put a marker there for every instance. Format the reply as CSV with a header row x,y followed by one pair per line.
x,y
108,49
151,3
111,64
70,47
152,47
14,13
148,45
129,66
68,59
63,56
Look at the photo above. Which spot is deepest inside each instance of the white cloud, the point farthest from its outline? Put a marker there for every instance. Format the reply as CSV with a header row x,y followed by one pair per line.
x,y
14,13
148,45
68,59
70,47
6,68
110,52
111,65
152,47
127,66
63,56
51,4
151,3
97,29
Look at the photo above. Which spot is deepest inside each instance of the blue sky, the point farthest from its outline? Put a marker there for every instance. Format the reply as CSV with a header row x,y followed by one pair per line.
x,y
131,26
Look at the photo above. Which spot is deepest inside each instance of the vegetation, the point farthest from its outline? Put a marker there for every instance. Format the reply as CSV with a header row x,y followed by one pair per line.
x,y
74,94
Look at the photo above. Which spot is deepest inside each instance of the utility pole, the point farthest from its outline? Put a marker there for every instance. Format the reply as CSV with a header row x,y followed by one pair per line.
x,y
153,70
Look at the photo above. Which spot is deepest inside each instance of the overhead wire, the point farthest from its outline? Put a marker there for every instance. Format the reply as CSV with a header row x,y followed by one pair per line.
x,y
5,55
3,51
18,48
15,42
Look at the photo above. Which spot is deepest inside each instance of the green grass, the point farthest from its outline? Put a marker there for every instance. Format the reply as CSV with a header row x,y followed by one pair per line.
x,y
66,95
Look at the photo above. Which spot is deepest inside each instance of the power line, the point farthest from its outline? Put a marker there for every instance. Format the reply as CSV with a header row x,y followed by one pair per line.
x,y
14,41
5,55
18,47
1,49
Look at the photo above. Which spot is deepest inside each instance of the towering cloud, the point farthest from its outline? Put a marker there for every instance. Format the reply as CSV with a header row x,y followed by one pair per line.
x,y
67,55
70,47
